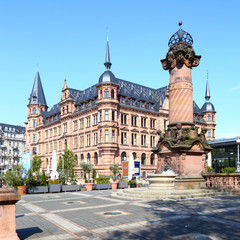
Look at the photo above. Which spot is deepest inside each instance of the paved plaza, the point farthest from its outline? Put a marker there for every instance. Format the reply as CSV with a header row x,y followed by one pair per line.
x,y
96,215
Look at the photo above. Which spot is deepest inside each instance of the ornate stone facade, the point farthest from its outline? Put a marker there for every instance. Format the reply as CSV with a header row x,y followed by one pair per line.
x,y
102,123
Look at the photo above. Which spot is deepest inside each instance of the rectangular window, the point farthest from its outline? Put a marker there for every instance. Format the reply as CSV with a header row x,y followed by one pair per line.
x,y
124,118
75,142
209,133
34,123
75,125
46,148
123,138
106,136
39,136
152,123
113,136
152,141
106,115
134,120
143,122
55,146
100,116
143,140
55,132
88,140
51,147
50,133
60,145
65,127
122,99
46,133
88,119
34,137
81,141
134,139
59,130
39,149
81,123
113,115
95,119
100,136
95,137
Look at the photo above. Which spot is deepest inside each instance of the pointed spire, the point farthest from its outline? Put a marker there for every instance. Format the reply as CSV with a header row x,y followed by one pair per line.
x,y
107,63
207,94
65,84
37,95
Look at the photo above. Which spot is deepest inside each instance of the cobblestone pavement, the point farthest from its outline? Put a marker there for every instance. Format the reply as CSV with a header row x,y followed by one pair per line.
x,y
96,215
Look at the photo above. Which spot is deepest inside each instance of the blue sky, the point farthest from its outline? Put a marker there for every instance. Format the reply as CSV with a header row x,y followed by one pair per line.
x,y
68,40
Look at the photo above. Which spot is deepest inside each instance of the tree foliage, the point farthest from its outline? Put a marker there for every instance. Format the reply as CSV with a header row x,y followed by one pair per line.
x,y
115,170
36,164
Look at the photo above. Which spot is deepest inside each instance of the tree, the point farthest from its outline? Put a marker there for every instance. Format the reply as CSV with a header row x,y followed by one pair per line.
x,y
67,163
36,165
115,170
86,167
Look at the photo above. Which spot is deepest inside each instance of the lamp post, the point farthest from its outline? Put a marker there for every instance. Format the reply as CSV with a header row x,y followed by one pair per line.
x,y
238,163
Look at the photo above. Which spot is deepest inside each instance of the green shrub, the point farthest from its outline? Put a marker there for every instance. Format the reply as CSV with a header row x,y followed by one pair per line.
x,y
56,181
31,181
43,179
132,182
209,169
228,170
102,180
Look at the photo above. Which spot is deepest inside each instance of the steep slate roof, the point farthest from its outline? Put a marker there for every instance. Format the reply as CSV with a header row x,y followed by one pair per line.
x,y
18,129
55,111
37,92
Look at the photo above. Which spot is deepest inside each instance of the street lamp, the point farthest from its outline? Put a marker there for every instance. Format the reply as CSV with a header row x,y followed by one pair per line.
x,y
238,163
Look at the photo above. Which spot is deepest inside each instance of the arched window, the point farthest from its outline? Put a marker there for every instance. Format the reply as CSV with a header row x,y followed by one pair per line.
x,y
152,159
209,133
209,117
100,94
76,160
123,157
82,157
134,156
143,159
106,93
95,158
65,143
67,108
112,94
89,157
34,110
63,110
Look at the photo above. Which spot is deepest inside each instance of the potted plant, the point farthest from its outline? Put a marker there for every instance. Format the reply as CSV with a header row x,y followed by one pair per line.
x,y
102,183
87,168
115,171
39,186
132,184
123,183
14,179
66,177
53,185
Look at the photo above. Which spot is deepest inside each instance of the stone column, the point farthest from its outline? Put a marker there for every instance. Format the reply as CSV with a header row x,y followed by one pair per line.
x,y
8,199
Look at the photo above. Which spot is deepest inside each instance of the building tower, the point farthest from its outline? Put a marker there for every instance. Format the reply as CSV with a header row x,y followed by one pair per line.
x,y
182,148
208,110
107,113
37,104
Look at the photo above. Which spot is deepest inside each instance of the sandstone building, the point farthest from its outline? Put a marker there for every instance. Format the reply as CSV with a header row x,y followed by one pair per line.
x,y
105,122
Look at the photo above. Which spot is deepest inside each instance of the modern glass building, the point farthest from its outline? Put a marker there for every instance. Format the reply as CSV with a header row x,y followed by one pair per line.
x,y
224,153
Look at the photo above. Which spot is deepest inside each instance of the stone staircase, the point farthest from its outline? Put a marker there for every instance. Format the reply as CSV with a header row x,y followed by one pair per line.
x,y
147,194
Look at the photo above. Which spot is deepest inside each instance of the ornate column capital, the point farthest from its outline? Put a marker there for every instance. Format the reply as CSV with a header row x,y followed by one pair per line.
x,y
179,54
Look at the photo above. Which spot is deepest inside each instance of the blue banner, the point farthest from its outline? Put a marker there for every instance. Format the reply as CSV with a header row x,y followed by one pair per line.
x,y
26,161
137,168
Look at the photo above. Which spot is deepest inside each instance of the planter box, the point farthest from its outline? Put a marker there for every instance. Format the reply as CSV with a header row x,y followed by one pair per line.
x,y
133,185
69,188
54,188
89,186
38,189
101,186
122,184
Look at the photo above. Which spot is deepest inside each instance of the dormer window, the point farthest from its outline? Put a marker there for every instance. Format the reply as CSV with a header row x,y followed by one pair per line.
x,y
89,103
96,100
142,104
83,105
133,101
34,98
106,93
151,106
122,99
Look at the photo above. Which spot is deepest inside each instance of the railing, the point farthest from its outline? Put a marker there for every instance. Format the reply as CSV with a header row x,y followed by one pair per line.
x,y
222,180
